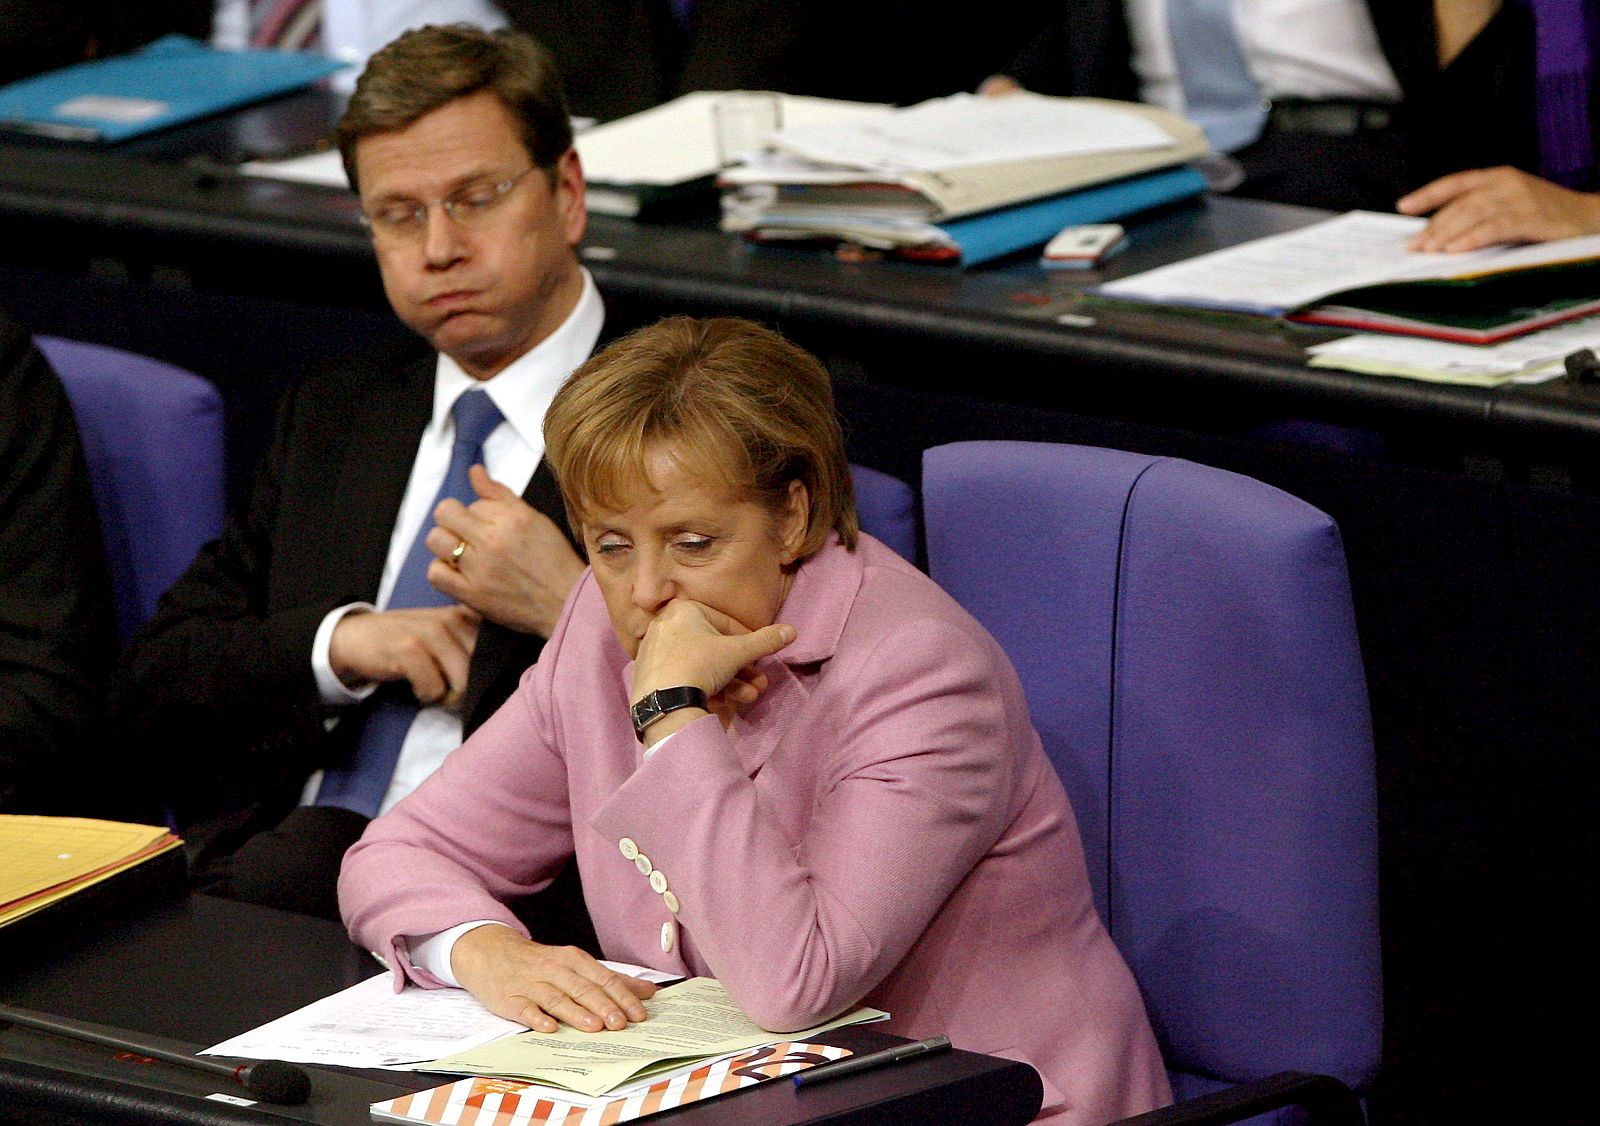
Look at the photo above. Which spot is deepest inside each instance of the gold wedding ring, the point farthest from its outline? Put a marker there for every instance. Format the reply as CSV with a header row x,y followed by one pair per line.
x,y
457,552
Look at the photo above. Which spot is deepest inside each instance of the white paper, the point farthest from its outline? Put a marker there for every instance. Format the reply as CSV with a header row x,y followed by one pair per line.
x,y
370,1025
1276,274
325,168
676,142
1533,358
964,130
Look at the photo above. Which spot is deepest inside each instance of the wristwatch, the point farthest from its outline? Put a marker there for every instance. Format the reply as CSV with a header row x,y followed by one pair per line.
x,y
656,704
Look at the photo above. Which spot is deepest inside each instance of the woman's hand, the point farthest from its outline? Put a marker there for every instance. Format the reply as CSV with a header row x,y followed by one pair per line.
x,y
540,986
690,644
1493,205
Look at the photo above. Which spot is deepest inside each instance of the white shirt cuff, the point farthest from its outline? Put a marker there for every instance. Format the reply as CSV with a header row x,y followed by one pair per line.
x,y
333,690
432,953
659,743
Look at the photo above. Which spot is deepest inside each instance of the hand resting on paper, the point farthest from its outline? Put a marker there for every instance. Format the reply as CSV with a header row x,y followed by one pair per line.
x,y
1485,206
543,986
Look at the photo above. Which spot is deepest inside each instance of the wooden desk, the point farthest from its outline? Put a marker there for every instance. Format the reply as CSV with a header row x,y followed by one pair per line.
x,y
194,973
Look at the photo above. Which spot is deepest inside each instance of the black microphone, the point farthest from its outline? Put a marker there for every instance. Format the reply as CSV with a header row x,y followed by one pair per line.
x,y
272,1081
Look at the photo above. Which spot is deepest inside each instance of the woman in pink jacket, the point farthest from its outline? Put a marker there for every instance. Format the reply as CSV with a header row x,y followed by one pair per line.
x,y
781,756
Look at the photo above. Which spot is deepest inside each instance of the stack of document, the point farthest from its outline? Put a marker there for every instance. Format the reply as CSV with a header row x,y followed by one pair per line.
x,y
964,178
48,859
664,158
1535,358
1355,271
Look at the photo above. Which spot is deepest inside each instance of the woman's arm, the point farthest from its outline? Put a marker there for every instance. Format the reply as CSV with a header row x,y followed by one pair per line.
x,y
900,769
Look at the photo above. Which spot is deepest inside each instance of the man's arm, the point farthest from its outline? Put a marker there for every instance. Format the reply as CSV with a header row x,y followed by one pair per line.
x,y
57,633
214,674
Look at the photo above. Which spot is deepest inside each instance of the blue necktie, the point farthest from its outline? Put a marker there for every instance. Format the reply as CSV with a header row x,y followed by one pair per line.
x,y
360,783
1219,94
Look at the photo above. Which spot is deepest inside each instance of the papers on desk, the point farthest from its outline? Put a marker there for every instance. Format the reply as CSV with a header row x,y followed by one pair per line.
x,y
692,1021
370,1025
1014,170
1354,271
324,168
1535,358
649,160
964,131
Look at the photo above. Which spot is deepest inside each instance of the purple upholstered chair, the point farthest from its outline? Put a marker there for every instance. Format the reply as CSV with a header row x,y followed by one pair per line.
x,y
152,434
1186,640
887,509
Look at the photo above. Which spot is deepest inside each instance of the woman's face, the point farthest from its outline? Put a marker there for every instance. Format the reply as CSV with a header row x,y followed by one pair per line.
x,y
682,536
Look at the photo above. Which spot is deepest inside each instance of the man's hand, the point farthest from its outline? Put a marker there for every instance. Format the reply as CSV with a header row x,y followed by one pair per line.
x,y
1493,205
516,568
542,985
431,648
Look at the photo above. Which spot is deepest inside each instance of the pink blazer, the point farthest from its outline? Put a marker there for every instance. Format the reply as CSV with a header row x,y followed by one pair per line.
x,y
881,827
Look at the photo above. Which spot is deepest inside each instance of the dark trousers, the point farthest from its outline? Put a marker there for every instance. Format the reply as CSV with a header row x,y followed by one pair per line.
x,y
294,866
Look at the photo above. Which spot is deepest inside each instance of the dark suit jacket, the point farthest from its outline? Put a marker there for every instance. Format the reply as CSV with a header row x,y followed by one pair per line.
x,y
617,57
57,627
1476,113
217,691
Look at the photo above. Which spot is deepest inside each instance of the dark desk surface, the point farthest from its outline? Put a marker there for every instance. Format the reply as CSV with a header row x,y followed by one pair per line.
x,y
196,972
169,201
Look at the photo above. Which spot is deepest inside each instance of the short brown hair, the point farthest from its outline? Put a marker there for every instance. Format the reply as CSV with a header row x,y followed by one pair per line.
x,y
430,66
731,398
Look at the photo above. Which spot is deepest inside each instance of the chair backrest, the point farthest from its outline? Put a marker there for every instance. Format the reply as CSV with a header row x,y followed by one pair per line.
x,y
887,509
153,438
1187,643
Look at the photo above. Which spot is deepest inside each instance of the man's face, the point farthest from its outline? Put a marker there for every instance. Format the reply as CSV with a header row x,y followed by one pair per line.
x,y
489,282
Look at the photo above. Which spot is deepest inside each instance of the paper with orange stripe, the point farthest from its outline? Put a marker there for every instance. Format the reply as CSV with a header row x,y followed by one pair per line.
x,y
483,1101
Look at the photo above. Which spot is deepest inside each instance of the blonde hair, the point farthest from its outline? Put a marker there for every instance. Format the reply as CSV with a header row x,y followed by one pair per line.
x,y
429,67
733,401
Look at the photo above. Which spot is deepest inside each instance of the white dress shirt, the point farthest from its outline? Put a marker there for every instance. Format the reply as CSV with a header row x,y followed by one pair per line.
x,y
1316,49
511,453
352,30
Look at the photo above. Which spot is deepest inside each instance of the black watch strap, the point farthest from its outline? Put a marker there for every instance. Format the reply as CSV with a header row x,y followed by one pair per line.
x,y
663,700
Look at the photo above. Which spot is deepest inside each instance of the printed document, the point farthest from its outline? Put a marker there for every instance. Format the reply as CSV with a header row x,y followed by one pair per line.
x,y
964,130
693,1020
1280,273
370,1025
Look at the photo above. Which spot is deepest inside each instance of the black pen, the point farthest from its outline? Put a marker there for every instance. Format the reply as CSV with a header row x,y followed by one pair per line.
x,y
850,1065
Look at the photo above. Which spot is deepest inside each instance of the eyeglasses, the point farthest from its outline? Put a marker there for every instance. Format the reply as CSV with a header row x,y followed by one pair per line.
x,y
471,206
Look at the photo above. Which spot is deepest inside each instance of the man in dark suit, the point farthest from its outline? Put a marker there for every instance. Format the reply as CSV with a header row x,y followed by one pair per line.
x,y
1454,88
365,613
57,629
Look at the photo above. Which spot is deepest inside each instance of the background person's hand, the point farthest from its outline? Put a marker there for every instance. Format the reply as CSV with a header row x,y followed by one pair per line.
x,y
1486,206
517,568
429,647
541,985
